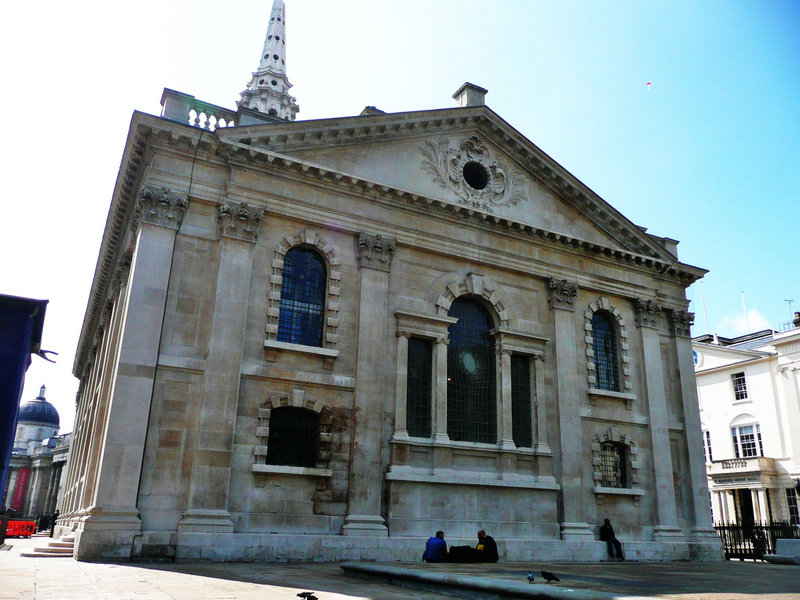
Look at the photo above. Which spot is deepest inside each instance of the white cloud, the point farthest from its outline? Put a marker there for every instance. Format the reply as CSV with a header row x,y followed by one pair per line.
x,y
732,325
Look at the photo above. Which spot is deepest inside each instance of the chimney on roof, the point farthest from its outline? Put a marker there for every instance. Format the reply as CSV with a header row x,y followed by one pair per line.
x,y
470,94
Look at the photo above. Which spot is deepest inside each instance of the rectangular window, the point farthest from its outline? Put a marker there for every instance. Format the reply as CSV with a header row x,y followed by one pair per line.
x,y
418,394
739,386
747,441
794,511
521,400
707,446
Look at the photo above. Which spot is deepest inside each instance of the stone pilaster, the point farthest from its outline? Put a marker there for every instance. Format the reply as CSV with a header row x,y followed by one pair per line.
x,y
112,521
207,510
374,255
561,296
647,313
702,530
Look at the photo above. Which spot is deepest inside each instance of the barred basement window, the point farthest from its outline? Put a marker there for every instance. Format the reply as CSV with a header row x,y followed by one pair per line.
x,y
604,338
293,437
302,307
614,465
739,386
521,400
418,394
471,386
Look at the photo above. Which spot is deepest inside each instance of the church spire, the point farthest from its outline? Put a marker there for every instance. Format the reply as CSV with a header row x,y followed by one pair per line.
x,y
268,90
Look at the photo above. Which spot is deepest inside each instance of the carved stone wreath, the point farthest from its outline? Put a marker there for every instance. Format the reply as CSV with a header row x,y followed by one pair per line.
x,y
500,184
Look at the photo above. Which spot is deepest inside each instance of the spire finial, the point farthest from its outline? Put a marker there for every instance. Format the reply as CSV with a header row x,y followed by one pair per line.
x,y
268,90
41,392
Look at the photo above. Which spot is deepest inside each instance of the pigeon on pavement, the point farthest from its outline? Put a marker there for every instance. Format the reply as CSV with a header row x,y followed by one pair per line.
x,y
549,577
530,577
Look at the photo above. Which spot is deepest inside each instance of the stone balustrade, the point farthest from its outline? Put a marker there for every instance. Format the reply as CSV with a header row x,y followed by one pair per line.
x,y
185,108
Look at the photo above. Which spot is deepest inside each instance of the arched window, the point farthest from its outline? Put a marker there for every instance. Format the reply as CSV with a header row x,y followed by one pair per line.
x,y
604,345
614,465
293,437
471,387
302,307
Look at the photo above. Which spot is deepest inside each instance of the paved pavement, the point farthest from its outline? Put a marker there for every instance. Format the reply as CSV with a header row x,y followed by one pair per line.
x,y
65,579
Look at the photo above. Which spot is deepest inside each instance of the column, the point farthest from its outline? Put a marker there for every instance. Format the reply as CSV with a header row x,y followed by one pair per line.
x,y
665,528
374,255
699,514
112,522
505,431
207,506
540,441
761,503
561,300
401,387
440,390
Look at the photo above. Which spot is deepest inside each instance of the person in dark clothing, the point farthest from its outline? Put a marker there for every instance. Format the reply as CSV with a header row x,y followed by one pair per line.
x,y
486,548
53,523
436,549
612,543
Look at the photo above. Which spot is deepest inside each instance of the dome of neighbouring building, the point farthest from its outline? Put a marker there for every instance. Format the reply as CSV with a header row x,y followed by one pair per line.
x,y
39,411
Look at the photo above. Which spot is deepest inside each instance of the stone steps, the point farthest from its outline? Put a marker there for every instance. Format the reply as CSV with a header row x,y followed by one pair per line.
x,y
62,548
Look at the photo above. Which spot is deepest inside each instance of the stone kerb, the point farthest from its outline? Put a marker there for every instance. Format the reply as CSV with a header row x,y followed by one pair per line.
x,y
306,237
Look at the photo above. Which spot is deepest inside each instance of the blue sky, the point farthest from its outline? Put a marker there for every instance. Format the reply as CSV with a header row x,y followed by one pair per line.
x,y
707,154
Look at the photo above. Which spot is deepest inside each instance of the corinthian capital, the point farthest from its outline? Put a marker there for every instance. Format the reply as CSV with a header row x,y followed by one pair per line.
x,y
375,251
239,221
561,293
646,312
160,206
681,322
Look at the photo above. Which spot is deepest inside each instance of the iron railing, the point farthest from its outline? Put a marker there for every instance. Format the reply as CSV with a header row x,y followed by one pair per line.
x,y
753,541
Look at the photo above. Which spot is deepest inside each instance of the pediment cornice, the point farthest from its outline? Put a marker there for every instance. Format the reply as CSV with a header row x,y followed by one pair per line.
x,y
286,138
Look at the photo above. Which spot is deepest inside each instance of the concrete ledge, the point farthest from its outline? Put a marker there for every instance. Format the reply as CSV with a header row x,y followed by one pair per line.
x,y
470,586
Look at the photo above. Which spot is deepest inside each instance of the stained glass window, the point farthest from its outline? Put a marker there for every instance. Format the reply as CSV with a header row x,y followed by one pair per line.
x,y
521,400
471,386
604,338
418,393
302,308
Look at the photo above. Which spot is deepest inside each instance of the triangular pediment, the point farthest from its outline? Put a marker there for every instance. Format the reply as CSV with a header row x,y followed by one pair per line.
x,y
464,156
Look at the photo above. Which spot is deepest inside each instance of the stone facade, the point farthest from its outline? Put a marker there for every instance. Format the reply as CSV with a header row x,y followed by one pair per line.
x,y
329,339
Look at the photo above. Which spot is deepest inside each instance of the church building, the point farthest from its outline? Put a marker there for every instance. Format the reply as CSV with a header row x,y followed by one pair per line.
x,y
328,339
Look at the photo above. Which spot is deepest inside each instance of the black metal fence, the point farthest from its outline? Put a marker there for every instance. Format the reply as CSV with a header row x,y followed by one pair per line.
x,y
753,541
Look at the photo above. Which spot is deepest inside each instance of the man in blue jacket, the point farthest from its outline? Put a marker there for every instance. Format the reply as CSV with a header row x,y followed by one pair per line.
x,y
435,548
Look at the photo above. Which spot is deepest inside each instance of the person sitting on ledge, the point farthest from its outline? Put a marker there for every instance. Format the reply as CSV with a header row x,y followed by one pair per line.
x,y
436,549
486,548
612,543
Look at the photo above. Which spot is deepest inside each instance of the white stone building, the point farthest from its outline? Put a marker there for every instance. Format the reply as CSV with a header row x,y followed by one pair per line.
x,y
328,339
749,393
38,458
